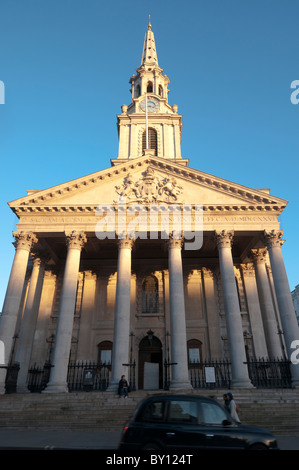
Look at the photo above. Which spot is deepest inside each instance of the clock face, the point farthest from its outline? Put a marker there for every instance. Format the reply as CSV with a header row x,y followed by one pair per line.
x,y
152,105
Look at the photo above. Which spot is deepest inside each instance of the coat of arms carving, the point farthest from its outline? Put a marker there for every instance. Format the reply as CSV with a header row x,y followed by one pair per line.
x,y
150,189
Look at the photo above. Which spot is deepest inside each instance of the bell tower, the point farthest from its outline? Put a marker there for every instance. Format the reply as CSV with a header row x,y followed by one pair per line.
x,y
149,125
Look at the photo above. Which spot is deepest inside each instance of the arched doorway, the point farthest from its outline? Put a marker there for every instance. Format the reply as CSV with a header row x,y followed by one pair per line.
x,y
150,351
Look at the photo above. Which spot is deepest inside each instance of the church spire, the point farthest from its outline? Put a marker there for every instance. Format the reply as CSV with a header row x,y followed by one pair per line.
x,y
149,125
149,52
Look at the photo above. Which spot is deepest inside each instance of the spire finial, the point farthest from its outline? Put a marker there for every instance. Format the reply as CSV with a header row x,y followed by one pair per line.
x,y
149,26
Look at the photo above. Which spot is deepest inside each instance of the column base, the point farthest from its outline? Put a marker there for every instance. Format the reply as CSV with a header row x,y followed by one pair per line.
x,y
56,388
22,389
175,385
113,387
242,384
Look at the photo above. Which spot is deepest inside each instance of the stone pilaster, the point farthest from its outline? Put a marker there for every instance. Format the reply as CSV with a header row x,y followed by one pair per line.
x,y
212,313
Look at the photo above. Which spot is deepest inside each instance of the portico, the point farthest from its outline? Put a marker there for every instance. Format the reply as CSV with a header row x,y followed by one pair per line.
x,y
103,259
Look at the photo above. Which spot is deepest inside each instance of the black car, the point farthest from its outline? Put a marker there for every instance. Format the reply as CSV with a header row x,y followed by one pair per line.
x,y
182,422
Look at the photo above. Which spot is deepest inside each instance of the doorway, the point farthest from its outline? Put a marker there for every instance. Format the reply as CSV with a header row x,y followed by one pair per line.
x,y
150,351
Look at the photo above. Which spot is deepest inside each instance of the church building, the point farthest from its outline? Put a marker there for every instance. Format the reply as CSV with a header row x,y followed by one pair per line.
x,y
149,265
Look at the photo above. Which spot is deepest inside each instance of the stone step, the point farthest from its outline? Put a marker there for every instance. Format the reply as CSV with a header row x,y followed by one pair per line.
x,y
276,410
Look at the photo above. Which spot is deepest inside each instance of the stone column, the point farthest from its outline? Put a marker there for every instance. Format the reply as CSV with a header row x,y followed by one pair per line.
x,y
120,350
240,376
11,306
180,376
27,331
254,310
283,295
58,378
266,303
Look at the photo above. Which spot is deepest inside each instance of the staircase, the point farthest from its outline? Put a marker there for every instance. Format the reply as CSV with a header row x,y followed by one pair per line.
x,y
276,410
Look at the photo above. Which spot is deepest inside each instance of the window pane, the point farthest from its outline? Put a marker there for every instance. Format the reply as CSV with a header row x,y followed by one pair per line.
x,y
183,411
212,414
106,356
152,140
194,355
150,298
153,412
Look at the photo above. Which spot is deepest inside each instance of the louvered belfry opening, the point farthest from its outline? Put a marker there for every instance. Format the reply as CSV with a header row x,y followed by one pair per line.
x,y
152,140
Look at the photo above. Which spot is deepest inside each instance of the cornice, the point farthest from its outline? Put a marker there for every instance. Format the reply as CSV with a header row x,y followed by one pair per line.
x,y
91,209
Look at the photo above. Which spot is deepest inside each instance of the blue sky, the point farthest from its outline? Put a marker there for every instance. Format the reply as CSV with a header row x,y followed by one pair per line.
x,y
66,66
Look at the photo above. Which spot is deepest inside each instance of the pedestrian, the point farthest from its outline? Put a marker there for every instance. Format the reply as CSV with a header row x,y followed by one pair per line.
x,y
233,408
226,402
123,387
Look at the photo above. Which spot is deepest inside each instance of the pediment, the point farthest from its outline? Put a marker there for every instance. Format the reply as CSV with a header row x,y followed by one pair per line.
x,y
147,180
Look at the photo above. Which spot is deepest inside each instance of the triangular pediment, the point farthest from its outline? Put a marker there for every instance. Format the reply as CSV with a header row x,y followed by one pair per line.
x,y
147,179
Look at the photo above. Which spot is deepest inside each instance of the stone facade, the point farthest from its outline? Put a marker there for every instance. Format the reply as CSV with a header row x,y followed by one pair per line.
x,y
103,260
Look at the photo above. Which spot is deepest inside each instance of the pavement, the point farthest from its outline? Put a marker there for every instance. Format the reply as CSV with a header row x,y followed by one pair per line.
x,y
11,439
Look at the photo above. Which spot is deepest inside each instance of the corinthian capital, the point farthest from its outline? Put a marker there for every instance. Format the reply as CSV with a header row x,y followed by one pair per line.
x,y
76,239
175,242
248,269
24,240
224,238
126,242
259,255
273,238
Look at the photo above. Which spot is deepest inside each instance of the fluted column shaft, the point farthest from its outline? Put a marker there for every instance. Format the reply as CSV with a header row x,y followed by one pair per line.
x,y
180,378
23,244
240,376
120,351
283,295
58,378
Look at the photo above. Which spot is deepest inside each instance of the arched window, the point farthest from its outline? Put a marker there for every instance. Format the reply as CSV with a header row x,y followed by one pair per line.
x,y
194,351
104,352
150,295
149,87
152,140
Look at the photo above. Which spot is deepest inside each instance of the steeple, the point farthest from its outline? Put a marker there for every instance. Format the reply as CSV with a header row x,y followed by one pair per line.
x,y
149,52
149,125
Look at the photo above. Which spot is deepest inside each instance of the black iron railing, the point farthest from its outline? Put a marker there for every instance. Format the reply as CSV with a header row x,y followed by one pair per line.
x,y
38,377
210,374
88,375
269,373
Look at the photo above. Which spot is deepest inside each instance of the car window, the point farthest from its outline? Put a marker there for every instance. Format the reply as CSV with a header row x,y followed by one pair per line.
x,y
183,411
212,413
153,412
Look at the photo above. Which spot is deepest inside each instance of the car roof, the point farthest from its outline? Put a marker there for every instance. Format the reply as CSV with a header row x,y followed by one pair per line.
x,y
179,397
